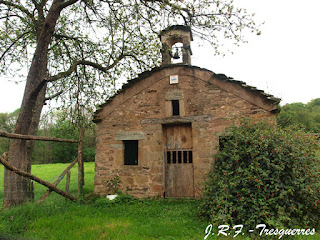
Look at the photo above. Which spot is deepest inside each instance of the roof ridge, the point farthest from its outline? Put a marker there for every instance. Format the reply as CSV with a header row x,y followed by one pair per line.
x,y
274,100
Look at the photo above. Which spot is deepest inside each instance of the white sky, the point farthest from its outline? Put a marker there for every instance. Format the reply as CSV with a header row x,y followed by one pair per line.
x,y
283,61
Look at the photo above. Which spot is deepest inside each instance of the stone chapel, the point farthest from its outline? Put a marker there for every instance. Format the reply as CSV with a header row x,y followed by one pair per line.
x,y
161,130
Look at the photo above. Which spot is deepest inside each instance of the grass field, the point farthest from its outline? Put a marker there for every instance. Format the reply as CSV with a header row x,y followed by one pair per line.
x,y
125,218
58,218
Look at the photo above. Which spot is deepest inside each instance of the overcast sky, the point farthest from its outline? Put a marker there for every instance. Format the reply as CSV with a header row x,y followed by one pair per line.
x,y
283,60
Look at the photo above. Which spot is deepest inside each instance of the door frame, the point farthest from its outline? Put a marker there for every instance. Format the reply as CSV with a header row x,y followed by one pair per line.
x,y
165,156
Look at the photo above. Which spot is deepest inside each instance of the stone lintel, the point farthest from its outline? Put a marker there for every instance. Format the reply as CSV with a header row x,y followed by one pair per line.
x,y
174,95
173,120
129,135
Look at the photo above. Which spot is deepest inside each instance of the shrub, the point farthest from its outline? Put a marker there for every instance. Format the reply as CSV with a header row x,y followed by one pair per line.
x,y
263,174
112,182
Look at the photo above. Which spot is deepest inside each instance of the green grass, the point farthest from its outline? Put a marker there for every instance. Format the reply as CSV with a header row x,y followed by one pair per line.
x,y
50,172
138,220
123,218
126,218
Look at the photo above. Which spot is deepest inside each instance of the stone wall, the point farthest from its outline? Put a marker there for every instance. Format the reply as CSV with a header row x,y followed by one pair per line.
x,y
139,113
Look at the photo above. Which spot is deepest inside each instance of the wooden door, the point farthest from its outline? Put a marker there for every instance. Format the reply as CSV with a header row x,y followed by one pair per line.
x,y
179,161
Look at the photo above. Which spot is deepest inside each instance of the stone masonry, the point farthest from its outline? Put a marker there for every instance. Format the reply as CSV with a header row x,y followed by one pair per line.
x,y
209,102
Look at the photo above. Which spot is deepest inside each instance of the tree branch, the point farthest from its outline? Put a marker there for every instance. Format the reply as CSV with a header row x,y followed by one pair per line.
x,y
67,4
12,44
53,96
35,3
39,7
19,7
73,67
76,39
11,15
60,36
173,6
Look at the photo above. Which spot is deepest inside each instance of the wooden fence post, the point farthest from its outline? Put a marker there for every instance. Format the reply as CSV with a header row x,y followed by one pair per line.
x,y
80,163
58,180
68,181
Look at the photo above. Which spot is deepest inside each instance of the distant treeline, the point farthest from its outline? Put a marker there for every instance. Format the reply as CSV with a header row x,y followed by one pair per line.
x,y
56,125
303,116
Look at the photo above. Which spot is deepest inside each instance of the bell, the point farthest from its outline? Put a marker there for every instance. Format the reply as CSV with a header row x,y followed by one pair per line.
x,y
176,55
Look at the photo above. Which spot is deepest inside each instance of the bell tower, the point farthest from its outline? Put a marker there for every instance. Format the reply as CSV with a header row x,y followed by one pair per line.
x,y
175,42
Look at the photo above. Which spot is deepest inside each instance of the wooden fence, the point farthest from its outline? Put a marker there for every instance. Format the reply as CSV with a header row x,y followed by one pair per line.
x,y
51,187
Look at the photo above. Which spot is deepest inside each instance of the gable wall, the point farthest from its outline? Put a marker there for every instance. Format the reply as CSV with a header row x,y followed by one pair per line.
x,y
139,112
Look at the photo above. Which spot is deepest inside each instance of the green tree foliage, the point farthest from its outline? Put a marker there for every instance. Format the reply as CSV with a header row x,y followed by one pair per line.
x,y
63,153
7,122
264,174
60,152
304,116
97,42
52,152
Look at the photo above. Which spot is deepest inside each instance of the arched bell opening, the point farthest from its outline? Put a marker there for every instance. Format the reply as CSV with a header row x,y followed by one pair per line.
x,y
176,53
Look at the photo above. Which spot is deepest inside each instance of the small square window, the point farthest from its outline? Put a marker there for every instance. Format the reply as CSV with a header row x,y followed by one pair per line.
x,y
130,152
175,108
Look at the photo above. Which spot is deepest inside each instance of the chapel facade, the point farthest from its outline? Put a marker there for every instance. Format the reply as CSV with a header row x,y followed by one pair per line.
x,y
161,130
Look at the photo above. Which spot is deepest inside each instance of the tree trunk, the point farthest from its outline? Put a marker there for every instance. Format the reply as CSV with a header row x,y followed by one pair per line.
x,y
17,189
